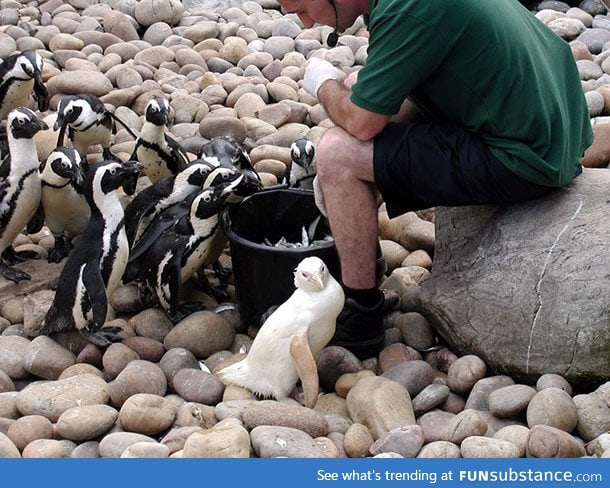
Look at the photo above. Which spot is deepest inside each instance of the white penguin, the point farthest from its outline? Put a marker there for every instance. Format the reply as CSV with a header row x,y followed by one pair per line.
x,y
286,345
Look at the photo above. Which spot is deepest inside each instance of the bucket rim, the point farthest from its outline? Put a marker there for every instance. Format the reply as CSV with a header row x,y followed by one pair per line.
x,y
225,222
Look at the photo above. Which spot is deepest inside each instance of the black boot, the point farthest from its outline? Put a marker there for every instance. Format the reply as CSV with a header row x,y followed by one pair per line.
x,y
360,329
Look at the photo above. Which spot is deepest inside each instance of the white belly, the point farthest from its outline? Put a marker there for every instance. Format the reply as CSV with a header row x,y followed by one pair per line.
x,y
26,205
66,212
153,167
17,95
120,263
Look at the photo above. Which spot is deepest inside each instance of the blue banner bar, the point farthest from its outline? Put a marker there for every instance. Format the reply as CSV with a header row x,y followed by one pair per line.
x,y
170,473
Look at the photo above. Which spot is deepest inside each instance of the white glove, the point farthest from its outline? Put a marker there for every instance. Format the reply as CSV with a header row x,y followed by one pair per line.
x,y
319,197
317,72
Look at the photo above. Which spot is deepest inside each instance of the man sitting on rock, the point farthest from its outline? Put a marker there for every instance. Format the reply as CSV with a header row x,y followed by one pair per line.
x,y
459,103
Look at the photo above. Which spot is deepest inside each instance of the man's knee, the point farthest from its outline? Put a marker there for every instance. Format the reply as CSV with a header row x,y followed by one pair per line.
x,y
331,152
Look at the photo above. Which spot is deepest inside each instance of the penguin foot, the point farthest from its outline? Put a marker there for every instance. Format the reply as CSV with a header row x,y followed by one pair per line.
x,y
184,310
222,273
218,293
103,337
59,251
13,274
23,256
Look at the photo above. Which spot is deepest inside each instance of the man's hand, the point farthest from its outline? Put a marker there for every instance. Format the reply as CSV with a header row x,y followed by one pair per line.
x,y
317,72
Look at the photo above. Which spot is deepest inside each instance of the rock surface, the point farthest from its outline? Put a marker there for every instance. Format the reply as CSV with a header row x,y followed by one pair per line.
x,y
512,283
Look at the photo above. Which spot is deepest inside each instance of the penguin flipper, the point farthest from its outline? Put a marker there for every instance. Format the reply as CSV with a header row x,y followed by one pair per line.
x,y
150,236
37,221
96,290
174,282
41,95
116,119
5,167
178,154
306,367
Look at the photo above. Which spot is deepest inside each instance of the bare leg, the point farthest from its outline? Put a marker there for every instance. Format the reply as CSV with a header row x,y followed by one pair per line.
x,y
345,173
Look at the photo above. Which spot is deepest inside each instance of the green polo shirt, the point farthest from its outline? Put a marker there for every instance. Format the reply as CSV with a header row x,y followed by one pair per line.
x,y
487,65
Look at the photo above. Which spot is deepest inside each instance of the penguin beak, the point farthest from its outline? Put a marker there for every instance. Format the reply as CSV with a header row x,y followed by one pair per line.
x,y
131,167
59,122
41,125
300,161
232,185
37,75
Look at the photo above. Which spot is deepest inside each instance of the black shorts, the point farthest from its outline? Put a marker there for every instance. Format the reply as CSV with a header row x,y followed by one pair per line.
x,y
423,165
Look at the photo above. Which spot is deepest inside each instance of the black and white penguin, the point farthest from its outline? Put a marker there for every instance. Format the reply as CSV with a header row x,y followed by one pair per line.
x,y
162,194
303,166
159,205
66,211
182,248
20,77
159,154
95,266
88,123
222,151
21,188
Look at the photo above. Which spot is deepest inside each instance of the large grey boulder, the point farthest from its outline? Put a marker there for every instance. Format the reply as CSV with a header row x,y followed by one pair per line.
x,y
527,287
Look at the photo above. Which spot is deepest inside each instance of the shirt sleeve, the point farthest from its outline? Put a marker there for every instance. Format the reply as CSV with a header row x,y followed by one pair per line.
x,y
404,49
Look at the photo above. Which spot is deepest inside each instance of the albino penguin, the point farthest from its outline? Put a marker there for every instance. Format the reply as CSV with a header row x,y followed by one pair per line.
x,y
286,345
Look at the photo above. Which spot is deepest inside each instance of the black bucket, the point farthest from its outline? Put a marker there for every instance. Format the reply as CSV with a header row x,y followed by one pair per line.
x,y
264,274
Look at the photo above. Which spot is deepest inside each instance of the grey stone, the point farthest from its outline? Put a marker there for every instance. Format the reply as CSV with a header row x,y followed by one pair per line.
x,y
381,404
478,399
270,412
553,407
52,398
526,319
273,441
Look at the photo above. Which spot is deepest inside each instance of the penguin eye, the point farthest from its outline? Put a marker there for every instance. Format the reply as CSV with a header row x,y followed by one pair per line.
x,y
64,164
112,171
207,197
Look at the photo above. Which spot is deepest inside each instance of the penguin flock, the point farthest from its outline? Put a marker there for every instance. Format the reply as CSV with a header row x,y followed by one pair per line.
x,y
166,234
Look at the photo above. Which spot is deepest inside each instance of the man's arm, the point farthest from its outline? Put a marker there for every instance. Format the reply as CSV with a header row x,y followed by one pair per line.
x,y
360,123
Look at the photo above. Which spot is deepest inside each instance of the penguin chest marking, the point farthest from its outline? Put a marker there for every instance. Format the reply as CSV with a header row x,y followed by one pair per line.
x,y
154,167
114,259
98,134
81,308
17,94
21,203
163,288
198,249
65,210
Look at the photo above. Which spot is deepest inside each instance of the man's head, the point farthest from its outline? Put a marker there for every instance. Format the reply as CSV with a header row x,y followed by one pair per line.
x,y
322,11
